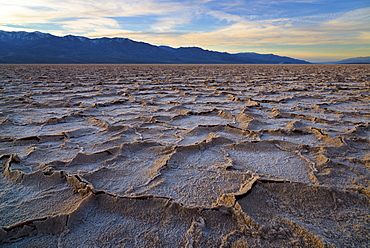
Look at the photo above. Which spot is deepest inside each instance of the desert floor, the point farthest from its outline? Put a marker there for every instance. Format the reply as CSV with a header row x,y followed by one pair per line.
x,y
184,155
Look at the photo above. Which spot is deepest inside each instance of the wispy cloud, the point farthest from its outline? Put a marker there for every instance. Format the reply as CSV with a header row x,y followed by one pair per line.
x,y
350,28
86,25
52,10
221,15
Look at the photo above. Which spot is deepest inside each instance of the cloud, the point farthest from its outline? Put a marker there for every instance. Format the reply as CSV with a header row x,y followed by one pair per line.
x,y
87,25
341,28
221,15
359,18
163,24
52,10
179,14
350,28
83,16
219,25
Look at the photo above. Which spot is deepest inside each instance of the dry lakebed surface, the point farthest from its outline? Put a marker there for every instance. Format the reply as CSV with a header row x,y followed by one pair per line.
x,y
185,156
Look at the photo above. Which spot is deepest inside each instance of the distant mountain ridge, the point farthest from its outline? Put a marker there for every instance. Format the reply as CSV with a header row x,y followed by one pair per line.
x,y
38,47
357,60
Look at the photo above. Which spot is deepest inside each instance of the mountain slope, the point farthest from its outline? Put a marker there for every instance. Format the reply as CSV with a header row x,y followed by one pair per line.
x,y
37,47
358,60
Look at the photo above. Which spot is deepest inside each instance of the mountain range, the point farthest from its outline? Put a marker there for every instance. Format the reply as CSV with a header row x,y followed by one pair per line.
x,y
37,47
358,60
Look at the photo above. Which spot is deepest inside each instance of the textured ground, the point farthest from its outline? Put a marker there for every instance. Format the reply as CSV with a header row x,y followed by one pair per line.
x,y
184,156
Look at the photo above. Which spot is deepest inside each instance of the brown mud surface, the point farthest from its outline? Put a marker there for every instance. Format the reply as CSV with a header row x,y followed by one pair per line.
x,y
184,156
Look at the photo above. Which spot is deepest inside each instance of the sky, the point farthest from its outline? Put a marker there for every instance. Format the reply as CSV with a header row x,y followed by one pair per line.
x,y
313,30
